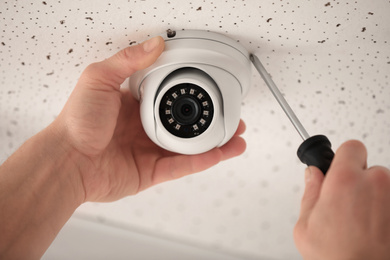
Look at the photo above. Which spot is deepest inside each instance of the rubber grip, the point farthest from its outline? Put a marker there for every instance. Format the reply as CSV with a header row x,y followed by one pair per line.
x,y
316,151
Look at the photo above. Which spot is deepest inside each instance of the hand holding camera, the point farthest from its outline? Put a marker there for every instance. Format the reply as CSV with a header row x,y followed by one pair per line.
x,y
95,150
102,123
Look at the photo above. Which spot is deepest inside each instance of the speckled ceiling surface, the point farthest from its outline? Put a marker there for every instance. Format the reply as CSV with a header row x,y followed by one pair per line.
x,y
331,59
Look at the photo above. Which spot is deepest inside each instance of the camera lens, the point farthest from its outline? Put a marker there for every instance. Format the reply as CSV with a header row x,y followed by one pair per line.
x,y
186,110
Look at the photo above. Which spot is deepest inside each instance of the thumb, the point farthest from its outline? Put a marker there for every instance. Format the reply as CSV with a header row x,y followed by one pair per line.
x,y
114,70
313,179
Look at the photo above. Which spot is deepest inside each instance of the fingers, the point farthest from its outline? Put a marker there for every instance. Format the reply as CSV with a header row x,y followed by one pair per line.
x,y
381,169
235,147
177,165
351,153
313,179
241,128
114,70
182,165
349,160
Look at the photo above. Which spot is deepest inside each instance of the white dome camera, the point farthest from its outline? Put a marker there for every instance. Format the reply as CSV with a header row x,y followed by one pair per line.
x,y
191,96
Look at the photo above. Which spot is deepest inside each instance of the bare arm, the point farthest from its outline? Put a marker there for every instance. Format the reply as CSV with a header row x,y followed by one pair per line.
x,y
95,150
40,189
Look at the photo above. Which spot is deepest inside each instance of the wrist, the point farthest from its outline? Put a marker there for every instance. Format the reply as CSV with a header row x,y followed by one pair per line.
x,y
42,178
65,161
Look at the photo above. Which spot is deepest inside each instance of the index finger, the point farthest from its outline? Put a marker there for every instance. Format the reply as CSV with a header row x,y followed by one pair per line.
x,y
176,166
350,155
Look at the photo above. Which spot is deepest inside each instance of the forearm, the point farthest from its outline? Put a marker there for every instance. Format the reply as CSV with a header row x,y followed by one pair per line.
x,y
39,190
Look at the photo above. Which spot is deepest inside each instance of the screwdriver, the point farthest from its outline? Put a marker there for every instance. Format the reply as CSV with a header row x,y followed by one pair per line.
x,y
315,150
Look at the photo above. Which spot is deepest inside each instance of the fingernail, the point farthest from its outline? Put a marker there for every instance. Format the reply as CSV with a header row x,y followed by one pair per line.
x,y
307,174
151,44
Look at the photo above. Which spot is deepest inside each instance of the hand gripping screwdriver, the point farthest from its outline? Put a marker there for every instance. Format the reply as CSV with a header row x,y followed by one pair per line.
x,y
315,150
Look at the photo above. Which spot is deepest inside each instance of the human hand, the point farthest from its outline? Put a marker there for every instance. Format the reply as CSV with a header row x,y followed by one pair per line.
x,y
345,215
101,124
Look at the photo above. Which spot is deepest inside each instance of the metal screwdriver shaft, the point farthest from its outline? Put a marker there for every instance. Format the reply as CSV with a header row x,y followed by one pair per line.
x,y
279,97
315,150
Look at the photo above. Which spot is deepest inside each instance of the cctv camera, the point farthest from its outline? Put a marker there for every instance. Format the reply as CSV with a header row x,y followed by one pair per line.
x,y
190,98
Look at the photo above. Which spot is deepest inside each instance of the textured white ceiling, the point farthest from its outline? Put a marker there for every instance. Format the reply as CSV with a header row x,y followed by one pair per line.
x,y
330,58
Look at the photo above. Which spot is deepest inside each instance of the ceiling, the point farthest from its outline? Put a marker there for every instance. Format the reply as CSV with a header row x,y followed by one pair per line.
x,y
331,59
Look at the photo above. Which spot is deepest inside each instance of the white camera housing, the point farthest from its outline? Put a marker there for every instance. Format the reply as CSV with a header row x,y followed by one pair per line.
x,y
191,96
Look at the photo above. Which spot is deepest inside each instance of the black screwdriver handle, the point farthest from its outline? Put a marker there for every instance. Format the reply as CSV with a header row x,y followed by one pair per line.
x,y
316,151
